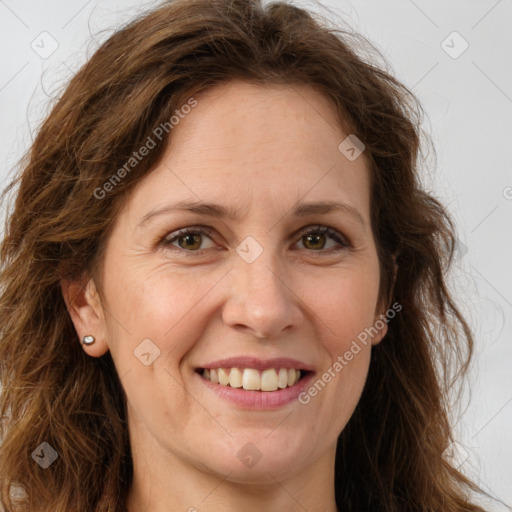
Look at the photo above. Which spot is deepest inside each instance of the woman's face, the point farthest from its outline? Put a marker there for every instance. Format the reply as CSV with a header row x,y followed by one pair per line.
x,y
255,286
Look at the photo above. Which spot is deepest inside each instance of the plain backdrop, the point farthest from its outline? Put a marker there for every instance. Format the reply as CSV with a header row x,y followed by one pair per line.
x,y
456,56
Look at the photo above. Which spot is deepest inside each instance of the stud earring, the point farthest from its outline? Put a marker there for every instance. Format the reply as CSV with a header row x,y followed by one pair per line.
x,y
88,340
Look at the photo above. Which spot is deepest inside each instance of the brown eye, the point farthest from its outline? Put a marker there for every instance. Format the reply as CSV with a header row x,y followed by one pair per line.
x,y
317,241
315,238
189,239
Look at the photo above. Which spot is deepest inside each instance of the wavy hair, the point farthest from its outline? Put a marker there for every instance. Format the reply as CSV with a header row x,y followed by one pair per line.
x,y
392,454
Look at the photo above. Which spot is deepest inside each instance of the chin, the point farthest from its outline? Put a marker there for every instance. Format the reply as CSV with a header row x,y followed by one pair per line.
x,y
261,473
263,461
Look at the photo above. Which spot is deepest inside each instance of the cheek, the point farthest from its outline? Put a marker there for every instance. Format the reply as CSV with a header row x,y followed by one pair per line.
x,y
167,309
162,304
346,308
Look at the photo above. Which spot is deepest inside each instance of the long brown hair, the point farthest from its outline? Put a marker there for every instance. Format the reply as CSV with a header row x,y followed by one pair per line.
x,y
391,455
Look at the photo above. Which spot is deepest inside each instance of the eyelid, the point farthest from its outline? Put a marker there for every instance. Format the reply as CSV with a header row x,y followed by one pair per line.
x,y
340,238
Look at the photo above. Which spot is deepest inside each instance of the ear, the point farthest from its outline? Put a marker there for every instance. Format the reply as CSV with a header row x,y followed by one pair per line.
x,y
380,322
84,306
382,327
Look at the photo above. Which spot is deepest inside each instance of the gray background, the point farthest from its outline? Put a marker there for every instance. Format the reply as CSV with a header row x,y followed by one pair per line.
x,y
467,97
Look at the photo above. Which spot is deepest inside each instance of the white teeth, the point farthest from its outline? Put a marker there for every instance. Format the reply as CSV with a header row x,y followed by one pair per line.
x,y
223,376
282,378
270,379
235,378
251,379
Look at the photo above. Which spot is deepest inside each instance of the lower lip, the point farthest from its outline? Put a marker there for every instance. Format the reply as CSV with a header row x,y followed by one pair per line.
x,y
259,399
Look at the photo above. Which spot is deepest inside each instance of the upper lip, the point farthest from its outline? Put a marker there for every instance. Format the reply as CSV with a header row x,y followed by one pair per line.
x,y
258,364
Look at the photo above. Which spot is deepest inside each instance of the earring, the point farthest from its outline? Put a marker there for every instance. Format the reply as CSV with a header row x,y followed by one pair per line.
x,y
88,340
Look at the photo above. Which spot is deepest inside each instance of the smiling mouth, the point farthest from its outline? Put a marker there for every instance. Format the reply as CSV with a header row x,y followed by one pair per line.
x,y
251,379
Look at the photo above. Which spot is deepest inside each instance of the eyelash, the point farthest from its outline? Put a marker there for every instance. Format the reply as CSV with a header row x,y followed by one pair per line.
x,y
202,230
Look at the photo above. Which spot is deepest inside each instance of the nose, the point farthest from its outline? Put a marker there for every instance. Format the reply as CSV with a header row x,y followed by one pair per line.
x,y
262,300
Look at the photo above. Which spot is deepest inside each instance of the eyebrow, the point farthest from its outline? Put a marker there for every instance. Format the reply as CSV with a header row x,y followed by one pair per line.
x,y
220,211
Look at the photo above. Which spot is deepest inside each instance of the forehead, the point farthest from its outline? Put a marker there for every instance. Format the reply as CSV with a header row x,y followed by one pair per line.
x,y
238,116
245,144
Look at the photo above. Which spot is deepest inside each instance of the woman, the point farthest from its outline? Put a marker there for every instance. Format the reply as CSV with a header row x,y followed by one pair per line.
x,y
223,286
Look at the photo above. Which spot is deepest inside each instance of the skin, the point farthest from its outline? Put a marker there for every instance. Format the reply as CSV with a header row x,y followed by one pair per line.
x,y
259,150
